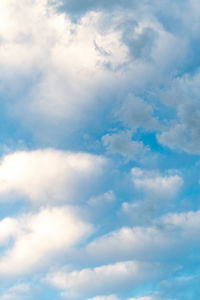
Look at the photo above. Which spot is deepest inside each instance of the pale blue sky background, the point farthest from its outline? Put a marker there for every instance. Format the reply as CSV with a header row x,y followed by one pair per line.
x,y
99,146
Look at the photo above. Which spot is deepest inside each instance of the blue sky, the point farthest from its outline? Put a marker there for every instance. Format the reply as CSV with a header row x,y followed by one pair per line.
x,y
100,145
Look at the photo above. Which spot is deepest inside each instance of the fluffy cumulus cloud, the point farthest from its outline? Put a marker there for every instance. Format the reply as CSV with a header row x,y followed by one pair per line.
x,y
136,113
118,277
155,193
38,238
123,144
70,66
64,63
151,182
165,237
183,134
49,175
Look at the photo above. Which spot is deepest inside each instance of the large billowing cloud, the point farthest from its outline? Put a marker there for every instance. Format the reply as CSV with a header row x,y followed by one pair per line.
x,y
64,63
49,175
70,67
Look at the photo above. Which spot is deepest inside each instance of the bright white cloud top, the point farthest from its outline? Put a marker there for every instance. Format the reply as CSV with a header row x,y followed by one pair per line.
x,y
49,175
100,144
39,237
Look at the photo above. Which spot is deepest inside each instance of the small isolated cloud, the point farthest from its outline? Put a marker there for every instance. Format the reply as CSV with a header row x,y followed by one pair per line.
x,y
49,175
40,237
183,134
102,200
136,113
122,143
182,97
155,184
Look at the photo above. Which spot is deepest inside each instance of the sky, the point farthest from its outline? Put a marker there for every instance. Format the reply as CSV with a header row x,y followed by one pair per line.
x,y
99,150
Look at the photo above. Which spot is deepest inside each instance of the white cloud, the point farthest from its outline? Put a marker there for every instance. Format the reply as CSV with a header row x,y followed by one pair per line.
x,y
102,200
59,71
143,298
123,144
49,175
16,292
8,229
153,297
71,66
182,97
156,184
141,212
65,59
167,236
110,297
138,242
105,279
187,221
113,297
183,133
40,238
136,113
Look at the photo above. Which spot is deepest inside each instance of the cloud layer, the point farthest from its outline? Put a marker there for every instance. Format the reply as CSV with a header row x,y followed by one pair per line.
x,y
99,149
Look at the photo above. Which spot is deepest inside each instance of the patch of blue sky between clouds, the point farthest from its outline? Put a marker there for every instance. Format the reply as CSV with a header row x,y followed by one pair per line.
x,y
99,150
